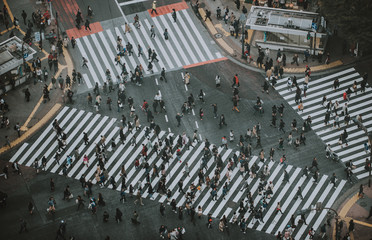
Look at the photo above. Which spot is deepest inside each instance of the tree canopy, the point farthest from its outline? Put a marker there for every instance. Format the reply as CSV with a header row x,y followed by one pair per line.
x,y
353,19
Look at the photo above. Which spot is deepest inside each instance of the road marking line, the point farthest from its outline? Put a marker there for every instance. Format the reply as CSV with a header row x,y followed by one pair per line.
x,y
200,137
185,42
15,156
26,157
168,42
79,137
131,2
156,81
205,62
160,42
34,128
104,58
172,36
121,11
197,33
166,118
190,161
161,10
169,129
111,55
45,144
129,38
186,87
127,165
193,113
197,126
146,42
84,54
87,81
188,34
94,58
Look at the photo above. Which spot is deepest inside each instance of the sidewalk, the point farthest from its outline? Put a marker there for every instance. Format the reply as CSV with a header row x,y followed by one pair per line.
x,y
233,46
34,114
356,208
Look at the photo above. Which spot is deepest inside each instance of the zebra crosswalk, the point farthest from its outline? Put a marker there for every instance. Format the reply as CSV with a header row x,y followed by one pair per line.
x,y
359,104
75,122
185,46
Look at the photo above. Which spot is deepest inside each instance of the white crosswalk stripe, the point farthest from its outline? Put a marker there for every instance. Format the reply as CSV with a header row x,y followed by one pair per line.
x,y
185,46
359,104
74,122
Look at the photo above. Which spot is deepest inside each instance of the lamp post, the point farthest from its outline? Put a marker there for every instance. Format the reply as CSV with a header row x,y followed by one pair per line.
x,y
242,19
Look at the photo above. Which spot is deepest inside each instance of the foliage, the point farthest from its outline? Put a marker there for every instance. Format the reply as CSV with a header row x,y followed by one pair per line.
x,y
352,18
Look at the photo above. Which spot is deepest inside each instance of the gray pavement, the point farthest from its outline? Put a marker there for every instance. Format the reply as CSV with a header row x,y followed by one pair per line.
x,y
83,224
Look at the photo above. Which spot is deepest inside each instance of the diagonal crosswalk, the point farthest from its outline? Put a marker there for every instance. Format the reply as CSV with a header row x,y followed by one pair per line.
x,y
74,122
185,46
359,104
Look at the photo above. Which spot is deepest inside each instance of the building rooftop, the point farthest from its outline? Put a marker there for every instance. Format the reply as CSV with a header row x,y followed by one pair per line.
x,y
11,54
281,20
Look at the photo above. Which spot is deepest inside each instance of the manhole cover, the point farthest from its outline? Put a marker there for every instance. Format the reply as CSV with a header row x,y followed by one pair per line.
x,y
218,35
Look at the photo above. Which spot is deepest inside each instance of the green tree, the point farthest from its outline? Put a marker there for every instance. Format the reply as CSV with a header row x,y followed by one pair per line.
x,y
353,19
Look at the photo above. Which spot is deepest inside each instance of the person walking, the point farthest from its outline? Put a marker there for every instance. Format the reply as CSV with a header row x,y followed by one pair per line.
x,y
86,24
235,81
207,15
152,31
314,164
154,8
162,209
138,198
80,202
333,180
73,42
118,215
218,81
351,226
85,61
180,186
178,118
235,103
278,208
23,225
316,176
214,109
17,127
209,223
286,176
222,120
299,193
154,56
162,75
305,172
361,192
135,218
201,113
166,35
174,15
24,16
